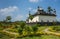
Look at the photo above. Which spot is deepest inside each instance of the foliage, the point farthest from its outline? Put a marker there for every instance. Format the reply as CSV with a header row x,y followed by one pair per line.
x,y
22,24
26,30
35,28
8,18
13,30
29,30
20,30
41,37
57,28
1,35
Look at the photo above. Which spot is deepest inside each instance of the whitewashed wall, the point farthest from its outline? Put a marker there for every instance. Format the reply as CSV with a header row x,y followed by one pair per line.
x,y
44,18
35,19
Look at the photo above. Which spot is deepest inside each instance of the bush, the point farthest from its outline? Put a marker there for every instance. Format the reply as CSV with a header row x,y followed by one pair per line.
x,y
20,30
12,30
57,28
1,35
24,33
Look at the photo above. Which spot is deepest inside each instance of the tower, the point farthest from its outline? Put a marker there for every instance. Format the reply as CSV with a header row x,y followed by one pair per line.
x,y
40,10
54,11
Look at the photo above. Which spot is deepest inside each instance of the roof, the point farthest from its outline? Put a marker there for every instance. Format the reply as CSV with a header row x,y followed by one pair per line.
x,y
44,13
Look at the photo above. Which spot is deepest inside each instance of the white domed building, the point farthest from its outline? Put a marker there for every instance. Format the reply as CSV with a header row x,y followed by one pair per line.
x,y
42,16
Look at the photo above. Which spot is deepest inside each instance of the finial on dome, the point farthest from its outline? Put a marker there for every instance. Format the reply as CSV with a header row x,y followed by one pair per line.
x,y
29,13
54,11
40,8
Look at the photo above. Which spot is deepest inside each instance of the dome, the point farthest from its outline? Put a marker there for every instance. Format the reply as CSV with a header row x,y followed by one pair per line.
x,y
40,8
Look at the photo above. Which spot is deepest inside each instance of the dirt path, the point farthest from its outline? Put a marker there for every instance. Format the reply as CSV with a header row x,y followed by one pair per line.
x,y
15,35
5,30
49,32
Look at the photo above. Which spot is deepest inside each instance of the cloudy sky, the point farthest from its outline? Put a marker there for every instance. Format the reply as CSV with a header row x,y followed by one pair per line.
x,y
19,9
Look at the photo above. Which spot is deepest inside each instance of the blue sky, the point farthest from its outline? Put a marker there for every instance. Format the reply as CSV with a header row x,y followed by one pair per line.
x,y
19,9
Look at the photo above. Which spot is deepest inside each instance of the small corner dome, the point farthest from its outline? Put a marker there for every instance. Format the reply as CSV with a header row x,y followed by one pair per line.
x,y
40,8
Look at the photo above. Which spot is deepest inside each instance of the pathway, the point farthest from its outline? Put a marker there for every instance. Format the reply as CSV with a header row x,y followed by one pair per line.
x,y
49,32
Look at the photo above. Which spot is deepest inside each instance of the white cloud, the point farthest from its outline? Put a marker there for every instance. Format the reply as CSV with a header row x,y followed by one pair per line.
x,y
18,17
33,0
29,8
34,10
8,10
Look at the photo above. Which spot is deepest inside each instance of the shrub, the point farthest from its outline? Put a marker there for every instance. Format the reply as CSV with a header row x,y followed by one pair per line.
x,y
57,28
20,30
35,28
1,35
12,30
24,33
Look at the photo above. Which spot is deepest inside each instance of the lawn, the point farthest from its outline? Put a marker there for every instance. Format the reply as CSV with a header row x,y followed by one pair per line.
x,y
35,37
41,37
32,37
2,36
41,28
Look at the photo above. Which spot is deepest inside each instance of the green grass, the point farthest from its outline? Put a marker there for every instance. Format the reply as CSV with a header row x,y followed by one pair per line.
x,y
41,37
5,37
49,37
33,37
41,28
2,36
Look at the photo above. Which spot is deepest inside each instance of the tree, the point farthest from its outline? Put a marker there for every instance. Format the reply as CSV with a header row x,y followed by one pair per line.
x,y
20,30
22,26
35,28
29,29
49,9
8,18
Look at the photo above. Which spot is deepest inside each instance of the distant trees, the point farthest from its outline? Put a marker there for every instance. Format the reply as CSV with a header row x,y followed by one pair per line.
x,y
22,26
57,28
8,18
35,28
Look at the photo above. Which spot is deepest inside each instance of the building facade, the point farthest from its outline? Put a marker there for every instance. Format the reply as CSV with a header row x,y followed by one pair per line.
x,y
42,16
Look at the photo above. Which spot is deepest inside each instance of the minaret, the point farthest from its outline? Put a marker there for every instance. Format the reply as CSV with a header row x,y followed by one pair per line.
x,y
54,11
40,10
29,13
